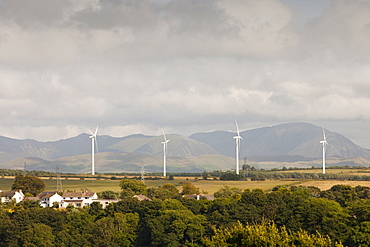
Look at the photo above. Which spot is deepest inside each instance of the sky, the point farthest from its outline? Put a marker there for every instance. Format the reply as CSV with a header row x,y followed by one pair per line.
x,y
184,66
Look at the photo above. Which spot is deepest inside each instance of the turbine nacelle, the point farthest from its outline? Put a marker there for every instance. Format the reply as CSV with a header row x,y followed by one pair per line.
x,y
324,142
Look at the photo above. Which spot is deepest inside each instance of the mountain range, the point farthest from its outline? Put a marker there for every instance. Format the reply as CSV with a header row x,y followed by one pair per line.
x,y
292,144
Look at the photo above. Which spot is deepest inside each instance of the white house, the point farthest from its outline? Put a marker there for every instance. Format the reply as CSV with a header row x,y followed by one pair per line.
x,y
105,202
142,198
209,197
78,199
47,198
7,196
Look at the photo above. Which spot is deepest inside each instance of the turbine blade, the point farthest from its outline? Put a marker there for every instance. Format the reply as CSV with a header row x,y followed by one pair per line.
x,y
237,127
96,130
96,144
90,132
164,136
323,131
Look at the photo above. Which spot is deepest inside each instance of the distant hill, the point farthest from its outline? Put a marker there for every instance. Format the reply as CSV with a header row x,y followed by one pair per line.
x,y
124,162
178,146
299,140
290,145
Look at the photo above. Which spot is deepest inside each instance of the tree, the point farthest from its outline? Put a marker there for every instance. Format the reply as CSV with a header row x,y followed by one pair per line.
x,y
95,209
325,216
177,228
361,234
166,191
119,230
132,187
226,192
29,204
29,184
265,234
80,228
189,189
36,235
344,194
4,227
231,176
108,194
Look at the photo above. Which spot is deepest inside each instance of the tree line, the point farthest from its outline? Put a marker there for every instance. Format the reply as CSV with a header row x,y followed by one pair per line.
x,y
285,216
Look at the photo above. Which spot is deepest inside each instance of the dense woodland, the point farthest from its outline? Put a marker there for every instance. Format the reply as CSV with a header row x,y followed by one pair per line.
x,y
294,216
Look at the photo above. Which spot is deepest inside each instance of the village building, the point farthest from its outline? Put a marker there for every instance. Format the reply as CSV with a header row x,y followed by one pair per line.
x,y
49,198
142,198
78,199
198,197
7,196
105,202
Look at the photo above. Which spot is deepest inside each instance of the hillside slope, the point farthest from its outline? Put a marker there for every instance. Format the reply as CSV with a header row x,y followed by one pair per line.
x,y
293,139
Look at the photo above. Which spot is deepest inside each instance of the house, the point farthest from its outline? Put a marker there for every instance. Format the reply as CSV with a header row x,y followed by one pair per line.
x,y
31,198
209,197
7,196
105,202
48,198
78,199
142,198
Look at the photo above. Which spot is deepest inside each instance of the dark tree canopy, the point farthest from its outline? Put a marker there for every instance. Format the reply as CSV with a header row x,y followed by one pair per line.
x,y
29,184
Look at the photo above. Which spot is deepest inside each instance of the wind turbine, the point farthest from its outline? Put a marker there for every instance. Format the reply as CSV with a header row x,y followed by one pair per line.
x,y
164,153
323,143
237,142
93,143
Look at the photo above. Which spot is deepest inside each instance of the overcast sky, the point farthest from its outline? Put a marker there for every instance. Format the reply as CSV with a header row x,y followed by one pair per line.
x,y
187,66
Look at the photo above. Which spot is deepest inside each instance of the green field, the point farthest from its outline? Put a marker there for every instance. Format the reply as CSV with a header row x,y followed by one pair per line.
x,y
210,186
78,185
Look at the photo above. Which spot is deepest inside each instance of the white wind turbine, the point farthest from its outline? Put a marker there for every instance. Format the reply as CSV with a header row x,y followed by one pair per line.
x,y
237,142
93,143
164,153
323,143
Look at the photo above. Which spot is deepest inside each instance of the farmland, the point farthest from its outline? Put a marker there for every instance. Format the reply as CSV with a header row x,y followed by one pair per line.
x,y
209,186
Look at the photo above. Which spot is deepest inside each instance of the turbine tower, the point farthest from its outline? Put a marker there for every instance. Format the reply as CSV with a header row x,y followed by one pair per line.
x,y
164,153
323,143
93,143
237,142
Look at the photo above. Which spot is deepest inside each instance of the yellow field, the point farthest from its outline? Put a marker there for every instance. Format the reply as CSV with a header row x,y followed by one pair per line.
x,y
325,185
364,172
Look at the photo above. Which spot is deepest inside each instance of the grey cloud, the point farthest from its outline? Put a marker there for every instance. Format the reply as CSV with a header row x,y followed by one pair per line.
x,y
33,14
180,65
